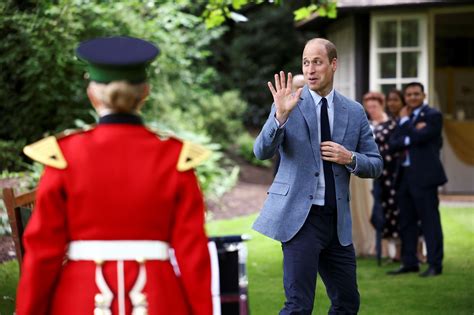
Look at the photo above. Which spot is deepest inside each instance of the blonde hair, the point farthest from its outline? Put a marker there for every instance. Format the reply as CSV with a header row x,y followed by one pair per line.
x,y
119,96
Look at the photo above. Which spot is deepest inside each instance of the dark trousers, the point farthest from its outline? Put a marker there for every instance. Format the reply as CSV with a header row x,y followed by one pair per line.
x,y
419,203
316,248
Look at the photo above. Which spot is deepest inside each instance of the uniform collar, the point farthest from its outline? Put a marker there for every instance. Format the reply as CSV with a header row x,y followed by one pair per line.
x,y
119,118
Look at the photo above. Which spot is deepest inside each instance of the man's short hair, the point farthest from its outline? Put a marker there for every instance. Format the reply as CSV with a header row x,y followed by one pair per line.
x,y
330,47
411,84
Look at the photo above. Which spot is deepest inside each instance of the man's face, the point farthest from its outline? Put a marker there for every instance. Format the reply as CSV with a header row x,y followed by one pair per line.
x,y
414,97
318,70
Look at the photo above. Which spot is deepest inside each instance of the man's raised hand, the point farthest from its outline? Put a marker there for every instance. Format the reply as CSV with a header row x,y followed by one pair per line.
x,y
283,97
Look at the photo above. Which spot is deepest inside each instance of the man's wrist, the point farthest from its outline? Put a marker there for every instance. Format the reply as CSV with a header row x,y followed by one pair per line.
x,y
281,117
352,159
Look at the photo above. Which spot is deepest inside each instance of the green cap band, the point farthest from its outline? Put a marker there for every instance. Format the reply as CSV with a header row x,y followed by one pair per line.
x,y
106,74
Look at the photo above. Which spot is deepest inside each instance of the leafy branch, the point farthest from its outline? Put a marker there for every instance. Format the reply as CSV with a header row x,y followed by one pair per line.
x,y
218,11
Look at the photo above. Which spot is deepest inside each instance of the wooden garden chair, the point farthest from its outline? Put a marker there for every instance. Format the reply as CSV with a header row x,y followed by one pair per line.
x,y
19,207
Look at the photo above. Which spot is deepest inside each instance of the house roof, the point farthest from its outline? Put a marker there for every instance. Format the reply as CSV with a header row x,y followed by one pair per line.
x,y
383,3
346,6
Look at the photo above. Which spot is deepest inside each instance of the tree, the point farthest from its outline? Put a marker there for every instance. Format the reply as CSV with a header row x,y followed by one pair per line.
x,y
217,11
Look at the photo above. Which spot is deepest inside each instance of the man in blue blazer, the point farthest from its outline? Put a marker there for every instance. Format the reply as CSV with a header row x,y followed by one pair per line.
x,y
418,137
322,137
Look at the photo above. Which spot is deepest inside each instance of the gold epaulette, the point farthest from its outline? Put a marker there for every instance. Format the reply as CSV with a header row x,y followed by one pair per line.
x,y
192,155
47,150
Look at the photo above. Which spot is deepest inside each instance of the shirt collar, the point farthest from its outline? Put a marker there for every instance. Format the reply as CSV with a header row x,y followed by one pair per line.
x,y
119,118
417,110
317,98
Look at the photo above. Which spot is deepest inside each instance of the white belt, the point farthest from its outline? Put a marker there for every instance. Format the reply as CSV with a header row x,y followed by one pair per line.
x,y
118,250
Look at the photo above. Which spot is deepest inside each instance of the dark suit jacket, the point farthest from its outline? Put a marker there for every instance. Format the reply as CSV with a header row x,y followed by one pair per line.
x,y
426,169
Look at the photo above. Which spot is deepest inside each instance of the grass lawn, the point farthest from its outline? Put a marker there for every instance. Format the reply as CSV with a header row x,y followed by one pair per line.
x,y
450,293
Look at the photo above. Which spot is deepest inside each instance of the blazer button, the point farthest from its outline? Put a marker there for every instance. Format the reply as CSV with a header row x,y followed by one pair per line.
x,y
311,197
316,174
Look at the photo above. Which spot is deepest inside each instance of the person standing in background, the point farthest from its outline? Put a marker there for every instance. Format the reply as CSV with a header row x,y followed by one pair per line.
x,y
391,230
322,138
385,210
418,140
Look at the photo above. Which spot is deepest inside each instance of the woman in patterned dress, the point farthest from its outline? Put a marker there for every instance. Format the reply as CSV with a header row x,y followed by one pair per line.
x,y
384,192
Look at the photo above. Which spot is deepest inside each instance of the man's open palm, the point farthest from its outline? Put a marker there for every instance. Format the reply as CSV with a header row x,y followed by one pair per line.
x,y
283,97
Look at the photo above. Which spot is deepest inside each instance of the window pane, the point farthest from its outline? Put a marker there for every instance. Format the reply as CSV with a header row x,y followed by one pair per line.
x,y
410,64
410,33
388,65
385,88
387,34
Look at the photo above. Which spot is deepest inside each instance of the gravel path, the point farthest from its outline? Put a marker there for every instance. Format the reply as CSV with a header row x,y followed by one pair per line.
x,y
247,196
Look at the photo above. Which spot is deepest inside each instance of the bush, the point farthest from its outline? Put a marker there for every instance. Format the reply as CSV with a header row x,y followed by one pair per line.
x,y
245,149
43,88
221,117
217,174
11,157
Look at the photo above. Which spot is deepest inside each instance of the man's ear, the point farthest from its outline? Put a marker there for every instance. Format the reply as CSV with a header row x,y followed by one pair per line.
x,y
94,101
146,91
334,64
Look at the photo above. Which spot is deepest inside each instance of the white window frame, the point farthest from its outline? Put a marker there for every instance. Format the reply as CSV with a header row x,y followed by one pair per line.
x,y
422,48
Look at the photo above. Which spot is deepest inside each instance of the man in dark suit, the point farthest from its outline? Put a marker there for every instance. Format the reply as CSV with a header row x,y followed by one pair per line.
x,y
418,137
322,137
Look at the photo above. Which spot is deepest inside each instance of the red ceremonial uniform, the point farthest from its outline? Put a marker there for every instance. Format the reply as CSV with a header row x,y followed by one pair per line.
x,y
121,183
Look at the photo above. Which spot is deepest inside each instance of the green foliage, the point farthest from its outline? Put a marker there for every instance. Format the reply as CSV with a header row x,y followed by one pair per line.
x,y
10,155
5,228
245,149
325,8
8,278
217,174
42,82
35,56
252,52
217,11
221,116
43,90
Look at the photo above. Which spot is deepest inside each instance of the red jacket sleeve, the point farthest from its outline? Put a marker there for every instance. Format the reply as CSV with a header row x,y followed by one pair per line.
x,y
190,244
45,241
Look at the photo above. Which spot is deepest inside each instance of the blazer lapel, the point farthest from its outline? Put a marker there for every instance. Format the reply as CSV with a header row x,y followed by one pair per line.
x,y
308,110
341,117
421,114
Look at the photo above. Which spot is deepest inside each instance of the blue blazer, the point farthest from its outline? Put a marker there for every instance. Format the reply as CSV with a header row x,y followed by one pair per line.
x,y
426,169
290,196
